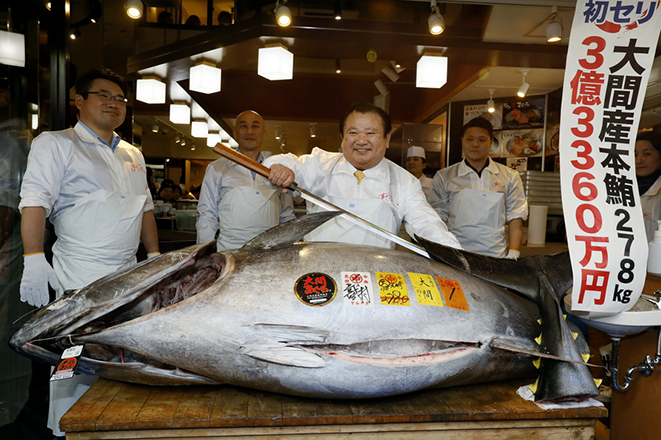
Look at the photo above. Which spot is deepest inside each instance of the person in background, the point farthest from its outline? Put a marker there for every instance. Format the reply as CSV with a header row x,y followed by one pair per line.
x,y
166,193
176,193
477,197
235,201
93,187
648,176
416,162
362,181
151,182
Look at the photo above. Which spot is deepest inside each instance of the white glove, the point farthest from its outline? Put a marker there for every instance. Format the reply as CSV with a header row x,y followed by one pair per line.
x,y
513,255
153,255
37,275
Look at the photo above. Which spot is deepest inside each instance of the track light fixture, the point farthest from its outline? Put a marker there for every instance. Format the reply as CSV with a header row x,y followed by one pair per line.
x,y
282,14
134,8
278,132
154,128
337,9
491,106
338,66
75,33
176,139
523,89
313,129
554,28
435,20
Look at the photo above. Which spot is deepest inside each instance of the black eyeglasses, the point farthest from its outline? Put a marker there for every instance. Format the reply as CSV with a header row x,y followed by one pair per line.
x,y
107,96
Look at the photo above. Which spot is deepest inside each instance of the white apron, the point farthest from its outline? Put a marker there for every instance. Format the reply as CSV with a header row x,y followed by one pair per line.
x,y
340,230
477,218
245,212
96,237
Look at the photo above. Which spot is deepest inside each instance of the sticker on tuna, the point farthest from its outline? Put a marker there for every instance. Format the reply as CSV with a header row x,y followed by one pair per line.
x,y
425,289
453,294
357,288
315,289
392,289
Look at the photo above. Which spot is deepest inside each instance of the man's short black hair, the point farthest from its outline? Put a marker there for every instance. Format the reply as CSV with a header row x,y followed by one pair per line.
x,y
85,81
366,107
479,123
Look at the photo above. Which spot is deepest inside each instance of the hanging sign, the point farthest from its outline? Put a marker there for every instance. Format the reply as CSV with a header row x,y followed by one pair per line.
x,y
610,55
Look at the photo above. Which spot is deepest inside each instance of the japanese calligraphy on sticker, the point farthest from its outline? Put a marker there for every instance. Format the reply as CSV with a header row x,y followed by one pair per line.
x,y
425,289
453,294
315,289
610,55
392,289
357,288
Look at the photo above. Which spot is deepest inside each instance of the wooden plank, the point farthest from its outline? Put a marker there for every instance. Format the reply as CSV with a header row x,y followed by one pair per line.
x,y
196,407
87,410
122,411
264,409
230,407
299,411
333,412
159,409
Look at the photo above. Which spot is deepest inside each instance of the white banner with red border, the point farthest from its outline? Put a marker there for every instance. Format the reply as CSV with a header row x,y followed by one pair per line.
x,y
611,51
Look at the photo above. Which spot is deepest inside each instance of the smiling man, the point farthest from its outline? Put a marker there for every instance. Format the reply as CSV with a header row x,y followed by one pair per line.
x,y
478,197
235,201
92,186
360,180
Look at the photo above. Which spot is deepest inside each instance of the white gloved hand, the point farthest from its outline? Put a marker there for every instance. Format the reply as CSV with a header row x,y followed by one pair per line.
x,y
513,255
37,275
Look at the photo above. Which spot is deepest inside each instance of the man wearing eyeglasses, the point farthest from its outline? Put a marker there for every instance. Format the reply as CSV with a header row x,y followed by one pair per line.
x,y
92,186
362,181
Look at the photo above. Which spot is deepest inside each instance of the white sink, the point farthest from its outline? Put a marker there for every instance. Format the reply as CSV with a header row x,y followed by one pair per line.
x,y
640,317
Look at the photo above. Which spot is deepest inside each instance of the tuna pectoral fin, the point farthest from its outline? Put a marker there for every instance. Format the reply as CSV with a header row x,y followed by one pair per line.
x,y
290,356
502,345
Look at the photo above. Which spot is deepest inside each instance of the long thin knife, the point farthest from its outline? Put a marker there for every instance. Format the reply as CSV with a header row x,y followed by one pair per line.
x,y
260,169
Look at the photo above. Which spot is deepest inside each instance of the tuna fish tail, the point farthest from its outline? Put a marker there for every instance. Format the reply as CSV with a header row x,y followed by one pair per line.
x,y
542,279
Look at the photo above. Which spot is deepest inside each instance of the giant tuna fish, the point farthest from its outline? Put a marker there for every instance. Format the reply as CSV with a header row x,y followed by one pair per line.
x,y
323,320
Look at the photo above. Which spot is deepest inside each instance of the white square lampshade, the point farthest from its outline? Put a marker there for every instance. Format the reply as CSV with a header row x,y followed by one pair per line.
x,y
199,129
150,90
12,49
224,136
205,78
432,71
275,63
179,114
213,139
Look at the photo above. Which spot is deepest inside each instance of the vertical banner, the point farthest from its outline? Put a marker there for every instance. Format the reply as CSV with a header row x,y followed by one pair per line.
x,y
610,55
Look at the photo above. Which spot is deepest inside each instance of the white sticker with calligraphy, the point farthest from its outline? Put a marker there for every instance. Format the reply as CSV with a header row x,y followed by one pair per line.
x,y
357,288
610,55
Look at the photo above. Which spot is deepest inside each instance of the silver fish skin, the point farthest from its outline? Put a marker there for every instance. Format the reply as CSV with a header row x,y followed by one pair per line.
x,y
233,317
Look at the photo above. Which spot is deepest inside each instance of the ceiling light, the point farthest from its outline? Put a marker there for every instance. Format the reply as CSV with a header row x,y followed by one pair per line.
x,y
313,129
199,129
150,90
154,128
224,136
397,66
435,20
179,114
183,142
176,139
74,34
554,28
205,78
337,7
278,132
282,14
523,89
233,143
213,139
491,106
192,147
338,66
134,8
12,49
275,63
431,71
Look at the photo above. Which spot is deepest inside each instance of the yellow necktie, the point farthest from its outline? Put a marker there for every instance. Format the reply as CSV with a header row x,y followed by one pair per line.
x,y
359,175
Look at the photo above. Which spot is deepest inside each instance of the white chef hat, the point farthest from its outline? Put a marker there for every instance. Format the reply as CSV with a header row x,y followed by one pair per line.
x,y
416,151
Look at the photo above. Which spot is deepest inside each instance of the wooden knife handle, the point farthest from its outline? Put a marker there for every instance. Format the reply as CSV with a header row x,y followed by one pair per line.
x,y
242,160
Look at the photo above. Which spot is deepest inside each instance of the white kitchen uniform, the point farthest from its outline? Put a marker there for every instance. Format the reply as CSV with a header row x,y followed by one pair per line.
x,y
95,195
651,204
386,196
477,208
238,203
425,183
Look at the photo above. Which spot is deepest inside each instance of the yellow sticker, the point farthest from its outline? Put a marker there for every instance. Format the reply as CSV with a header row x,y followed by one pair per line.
x,y
453,294
425,289
392,289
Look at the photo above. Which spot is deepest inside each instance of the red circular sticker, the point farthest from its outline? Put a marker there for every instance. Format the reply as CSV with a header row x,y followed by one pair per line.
x,y
67,364
315,289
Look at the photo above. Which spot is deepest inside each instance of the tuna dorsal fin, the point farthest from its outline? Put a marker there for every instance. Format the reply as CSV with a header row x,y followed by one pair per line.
x,y
288,233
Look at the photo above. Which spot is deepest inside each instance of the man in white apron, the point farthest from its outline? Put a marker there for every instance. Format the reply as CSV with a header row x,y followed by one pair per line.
x,y
362,181
416,162
93,188
236,202
477,197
